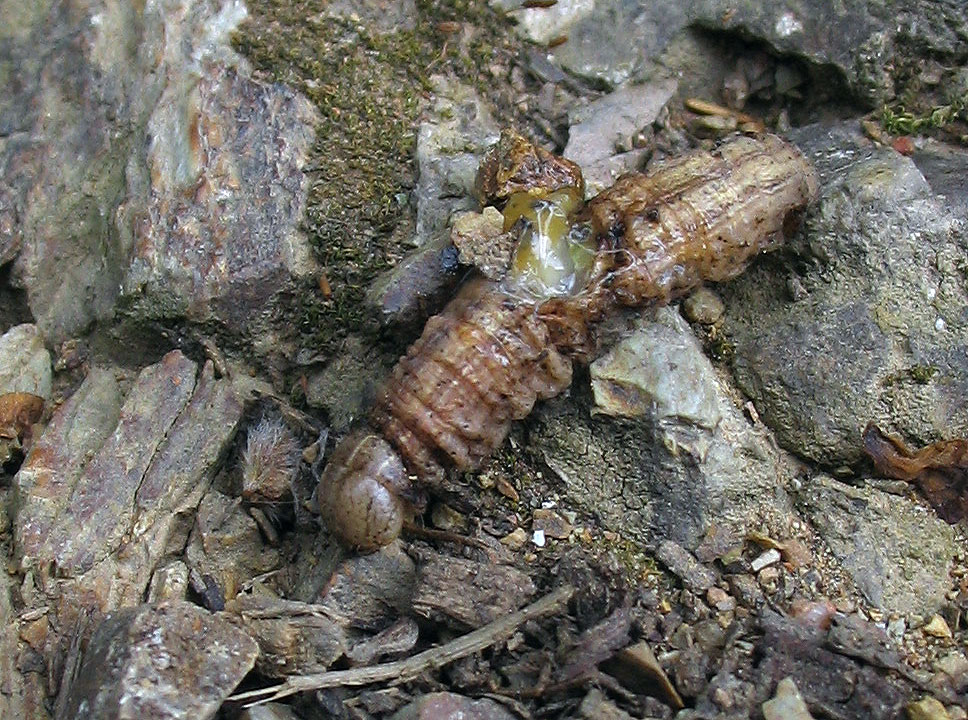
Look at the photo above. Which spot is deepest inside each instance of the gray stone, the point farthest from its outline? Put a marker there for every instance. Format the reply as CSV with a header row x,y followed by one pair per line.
x,y
49,473
368,591
138,155
449,148
294,638
467,592
24,362
269,711
659,371
683,565
173,660
898,554
617,41
877,329
417,287
688,460
102,501
601,127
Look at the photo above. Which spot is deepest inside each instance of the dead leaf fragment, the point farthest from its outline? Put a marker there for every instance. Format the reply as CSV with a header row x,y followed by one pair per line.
x,y
940,470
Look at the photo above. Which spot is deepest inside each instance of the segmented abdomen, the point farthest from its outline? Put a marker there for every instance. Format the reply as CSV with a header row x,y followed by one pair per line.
x,y
478,366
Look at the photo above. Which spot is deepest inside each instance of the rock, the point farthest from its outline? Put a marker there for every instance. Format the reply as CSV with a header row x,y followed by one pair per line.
x,y
688,460
24,362
787,704
936,627
106,492
148,662
770,557
369,591
294,638
468,592
551,524
898,555
269,711
703,306
169,582
613,42
397,639
943,166
683,565
226,546
449,149
658,371
104,497
927,708
145,159
542,25
874,335
44,484
436,706
482,242
601,127
851,688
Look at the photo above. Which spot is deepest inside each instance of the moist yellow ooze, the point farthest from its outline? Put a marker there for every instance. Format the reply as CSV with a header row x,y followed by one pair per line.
x,y
554,256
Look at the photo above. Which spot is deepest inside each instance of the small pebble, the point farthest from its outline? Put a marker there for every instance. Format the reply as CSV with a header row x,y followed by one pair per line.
x,y
538,538
768,576
787,704
703,306
515,539
937,627
770,557
551,524
927,708
720,599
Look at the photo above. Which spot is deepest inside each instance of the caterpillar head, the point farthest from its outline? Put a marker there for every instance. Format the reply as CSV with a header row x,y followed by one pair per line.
x,y
362,492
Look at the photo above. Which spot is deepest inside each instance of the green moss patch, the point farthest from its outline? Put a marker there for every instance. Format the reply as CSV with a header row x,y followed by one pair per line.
x,y
370,90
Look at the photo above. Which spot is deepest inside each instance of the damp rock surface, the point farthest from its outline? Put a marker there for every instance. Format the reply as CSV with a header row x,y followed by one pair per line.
x,y
875,328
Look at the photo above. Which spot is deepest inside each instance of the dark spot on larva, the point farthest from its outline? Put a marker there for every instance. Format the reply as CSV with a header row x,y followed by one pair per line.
x,y
613,238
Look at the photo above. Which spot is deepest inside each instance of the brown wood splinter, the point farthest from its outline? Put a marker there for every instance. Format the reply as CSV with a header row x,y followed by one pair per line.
x,y
501,345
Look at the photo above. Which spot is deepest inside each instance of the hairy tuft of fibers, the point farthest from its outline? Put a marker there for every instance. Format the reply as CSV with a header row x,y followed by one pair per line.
x,y
269,461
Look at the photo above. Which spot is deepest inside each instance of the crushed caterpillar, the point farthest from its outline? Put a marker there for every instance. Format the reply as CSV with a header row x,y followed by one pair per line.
x,y
501,345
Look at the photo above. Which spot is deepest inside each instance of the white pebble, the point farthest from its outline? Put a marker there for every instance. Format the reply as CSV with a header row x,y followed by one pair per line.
x,y
770,557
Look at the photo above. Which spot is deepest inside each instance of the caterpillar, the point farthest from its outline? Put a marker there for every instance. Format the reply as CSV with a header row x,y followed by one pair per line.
x,y
501,345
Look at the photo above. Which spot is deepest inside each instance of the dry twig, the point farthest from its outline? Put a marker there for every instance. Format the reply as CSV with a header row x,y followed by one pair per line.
x,y
402,671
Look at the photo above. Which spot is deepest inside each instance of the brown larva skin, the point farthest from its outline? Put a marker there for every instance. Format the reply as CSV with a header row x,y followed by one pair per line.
x,y
495,350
